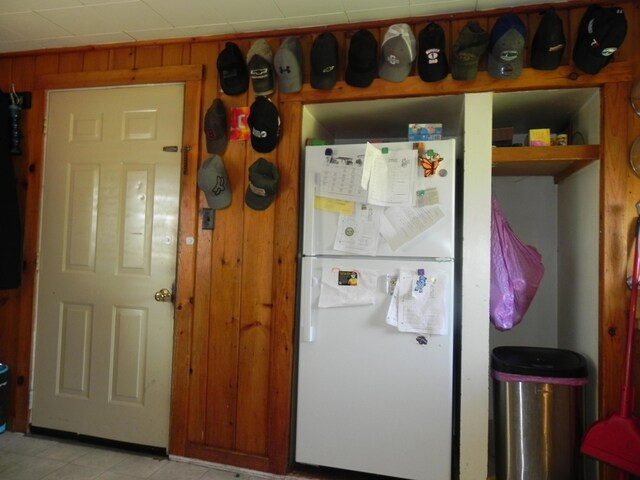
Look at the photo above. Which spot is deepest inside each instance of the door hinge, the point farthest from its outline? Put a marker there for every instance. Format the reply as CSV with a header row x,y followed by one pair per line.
x,y
44,125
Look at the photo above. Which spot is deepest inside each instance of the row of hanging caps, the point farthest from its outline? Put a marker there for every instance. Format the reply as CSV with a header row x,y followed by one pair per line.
x,y
15,113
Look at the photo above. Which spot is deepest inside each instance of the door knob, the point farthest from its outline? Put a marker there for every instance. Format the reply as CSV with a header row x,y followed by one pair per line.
x,y
163,295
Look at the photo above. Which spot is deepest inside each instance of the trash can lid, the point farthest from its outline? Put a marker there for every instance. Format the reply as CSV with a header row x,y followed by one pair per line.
x,y
539,362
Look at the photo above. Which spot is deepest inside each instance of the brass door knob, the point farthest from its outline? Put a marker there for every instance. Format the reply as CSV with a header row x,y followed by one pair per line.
x,y
163,295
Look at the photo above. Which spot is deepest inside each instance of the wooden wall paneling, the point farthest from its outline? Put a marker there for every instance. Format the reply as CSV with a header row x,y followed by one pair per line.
x,y
284,289
71,62
5,73
148,56
196,393
614,250
47,64
172,54
186,269
255,309
96,60
122,58
33,181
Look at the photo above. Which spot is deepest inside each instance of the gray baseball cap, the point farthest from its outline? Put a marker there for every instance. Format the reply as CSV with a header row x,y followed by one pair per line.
x,y
397,53
506,47
288,65
260,65
213,181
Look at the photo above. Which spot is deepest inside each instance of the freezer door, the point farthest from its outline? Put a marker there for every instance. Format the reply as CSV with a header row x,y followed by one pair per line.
x,y
319,226
370,398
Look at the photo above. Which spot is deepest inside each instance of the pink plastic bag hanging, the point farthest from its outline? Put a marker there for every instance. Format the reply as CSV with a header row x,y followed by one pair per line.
x,y
516,272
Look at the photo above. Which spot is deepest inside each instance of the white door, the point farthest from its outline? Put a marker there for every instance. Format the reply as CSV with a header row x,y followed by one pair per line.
x,y
108,243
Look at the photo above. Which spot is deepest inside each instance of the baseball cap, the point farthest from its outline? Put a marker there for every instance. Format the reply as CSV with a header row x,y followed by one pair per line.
x,y
432,57
324,61
397,53
213,181
548,43
260,64
263,184
506,47
467,50
600,33
234,78
264,123
288,65
362,60
215,127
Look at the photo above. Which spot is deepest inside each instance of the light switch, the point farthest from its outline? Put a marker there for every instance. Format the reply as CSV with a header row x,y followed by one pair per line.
x,y
208,218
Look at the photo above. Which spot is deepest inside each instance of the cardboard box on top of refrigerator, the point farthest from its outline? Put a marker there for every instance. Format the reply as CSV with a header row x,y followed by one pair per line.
x,y
425,131
540,137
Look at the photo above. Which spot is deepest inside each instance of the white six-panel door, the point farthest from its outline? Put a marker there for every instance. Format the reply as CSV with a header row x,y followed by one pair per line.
x,y
103,346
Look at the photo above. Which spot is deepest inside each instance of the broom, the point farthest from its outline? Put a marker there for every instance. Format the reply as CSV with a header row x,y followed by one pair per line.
x,y
616,440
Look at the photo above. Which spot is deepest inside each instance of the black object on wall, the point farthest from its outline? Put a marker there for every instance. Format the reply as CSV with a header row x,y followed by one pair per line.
x,y
10,225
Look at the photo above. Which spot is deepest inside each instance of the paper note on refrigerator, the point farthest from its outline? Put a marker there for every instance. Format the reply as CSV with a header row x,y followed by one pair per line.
x,y
418,303
393,176
340,177
358,233
400,225
343,286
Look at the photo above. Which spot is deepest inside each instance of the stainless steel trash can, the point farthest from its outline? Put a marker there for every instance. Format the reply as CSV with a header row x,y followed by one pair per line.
x,y
4,396
538,413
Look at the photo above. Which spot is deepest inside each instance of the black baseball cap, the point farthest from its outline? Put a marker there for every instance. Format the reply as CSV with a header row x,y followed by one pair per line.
x,y
263,184
234,77
432,57
264,124
324,61
362,63
600,33
549,42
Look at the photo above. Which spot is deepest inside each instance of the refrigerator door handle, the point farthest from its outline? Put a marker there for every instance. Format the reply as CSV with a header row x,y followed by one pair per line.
x,y
307,319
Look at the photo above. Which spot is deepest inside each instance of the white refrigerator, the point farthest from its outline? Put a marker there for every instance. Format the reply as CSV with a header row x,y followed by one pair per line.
x,y
375,353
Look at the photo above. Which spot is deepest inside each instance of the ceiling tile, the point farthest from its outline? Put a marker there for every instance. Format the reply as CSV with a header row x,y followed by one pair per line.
x,y
491,4
30,26
379,14
198,13
182,32
373,4
297,8
420,8
249,10
106,18
12,6
261,25
318,20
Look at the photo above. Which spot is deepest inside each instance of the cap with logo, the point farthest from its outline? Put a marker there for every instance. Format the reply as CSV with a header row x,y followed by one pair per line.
x,y
263,184
213,181
264,124
547,46
324,61
362,59
288,65
471,44
234,78
260,64
215,127
506,47
397,53
600,34
432,58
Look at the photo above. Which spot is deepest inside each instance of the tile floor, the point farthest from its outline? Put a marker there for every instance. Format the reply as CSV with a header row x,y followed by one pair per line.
x,y
27,457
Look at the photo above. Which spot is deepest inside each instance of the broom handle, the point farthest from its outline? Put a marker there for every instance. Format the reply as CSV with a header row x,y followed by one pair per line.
x,y
626,398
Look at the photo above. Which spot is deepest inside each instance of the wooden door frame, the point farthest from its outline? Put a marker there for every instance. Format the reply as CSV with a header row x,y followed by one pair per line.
x,y
192,77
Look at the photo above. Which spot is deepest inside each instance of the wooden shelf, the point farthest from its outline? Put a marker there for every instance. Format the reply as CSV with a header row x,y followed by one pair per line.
x,y
558,162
